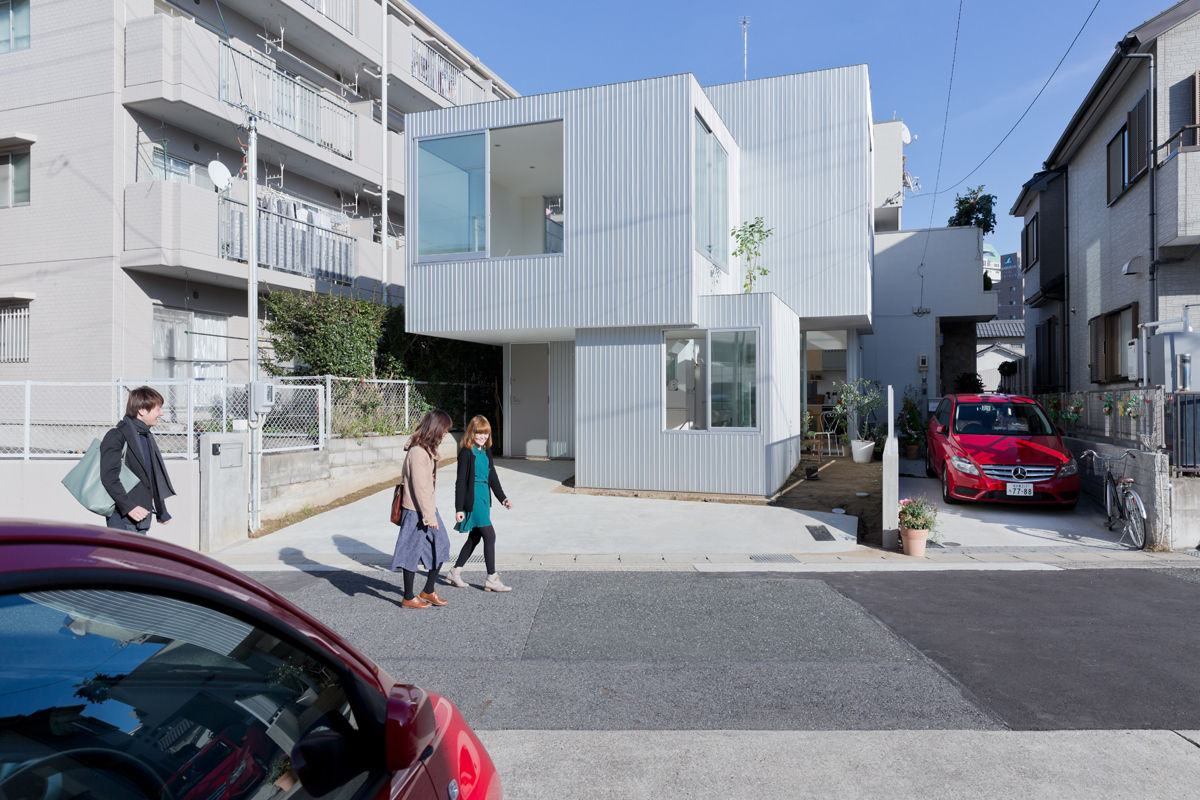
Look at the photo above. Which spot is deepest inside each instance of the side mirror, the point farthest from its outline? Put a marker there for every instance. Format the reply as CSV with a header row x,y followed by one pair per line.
x,y
411,725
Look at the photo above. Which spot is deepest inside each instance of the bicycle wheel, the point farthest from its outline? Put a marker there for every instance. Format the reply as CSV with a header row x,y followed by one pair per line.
x,y
1110,503
1135,524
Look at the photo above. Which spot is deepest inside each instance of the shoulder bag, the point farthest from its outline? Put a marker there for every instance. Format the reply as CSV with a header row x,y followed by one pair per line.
x,y
83,481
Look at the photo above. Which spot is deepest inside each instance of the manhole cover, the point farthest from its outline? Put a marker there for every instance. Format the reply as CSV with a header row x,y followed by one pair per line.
x,y
820,533
777,558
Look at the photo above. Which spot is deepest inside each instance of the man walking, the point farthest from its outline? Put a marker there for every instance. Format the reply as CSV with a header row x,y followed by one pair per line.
x,y
132,441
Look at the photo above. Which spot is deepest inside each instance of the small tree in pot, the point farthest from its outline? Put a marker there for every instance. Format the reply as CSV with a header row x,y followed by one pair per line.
x,y
856,400
911,426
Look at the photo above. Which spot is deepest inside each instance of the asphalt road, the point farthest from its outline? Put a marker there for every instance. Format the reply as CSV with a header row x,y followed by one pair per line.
x,y
635,651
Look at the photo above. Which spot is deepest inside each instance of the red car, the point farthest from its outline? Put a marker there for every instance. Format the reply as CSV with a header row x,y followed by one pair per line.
x,y
137,669
999,448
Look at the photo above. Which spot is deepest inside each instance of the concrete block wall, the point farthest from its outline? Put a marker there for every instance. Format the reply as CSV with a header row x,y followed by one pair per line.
x,y
1152,480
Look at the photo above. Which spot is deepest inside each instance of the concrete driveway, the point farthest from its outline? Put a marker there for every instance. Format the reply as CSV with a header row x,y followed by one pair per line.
x,y
546,522
998,527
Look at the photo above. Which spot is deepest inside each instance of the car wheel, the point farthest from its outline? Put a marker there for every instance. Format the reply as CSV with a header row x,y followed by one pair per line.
x,y
947,497
929,470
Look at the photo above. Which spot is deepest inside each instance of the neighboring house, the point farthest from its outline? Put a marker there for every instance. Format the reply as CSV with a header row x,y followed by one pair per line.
x,y
1127,166
997,342
118,257
586,231
928,292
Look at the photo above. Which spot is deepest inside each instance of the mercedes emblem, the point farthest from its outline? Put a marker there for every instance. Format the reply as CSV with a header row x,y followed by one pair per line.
x,y
1019,473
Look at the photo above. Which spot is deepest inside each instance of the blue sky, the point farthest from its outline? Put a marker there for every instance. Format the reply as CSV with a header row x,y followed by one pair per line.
x,y
1006,50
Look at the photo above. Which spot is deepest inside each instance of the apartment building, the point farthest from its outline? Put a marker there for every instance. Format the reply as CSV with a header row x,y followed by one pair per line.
x,y
120,257
586,232
1112,221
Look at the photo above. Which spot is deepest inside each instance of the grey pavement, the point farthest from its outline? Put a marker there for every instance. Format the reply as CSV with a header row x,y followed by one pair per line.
x,y
552,529
990,765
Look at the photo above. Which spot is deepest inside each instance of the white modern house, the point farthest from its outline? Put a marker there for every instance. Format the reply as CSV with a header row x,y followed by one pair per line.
x,y
586,231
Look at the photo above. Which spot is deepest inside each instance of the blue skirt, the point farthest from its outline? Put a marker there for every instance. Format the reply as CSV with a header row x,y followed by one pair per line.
x,y
418,544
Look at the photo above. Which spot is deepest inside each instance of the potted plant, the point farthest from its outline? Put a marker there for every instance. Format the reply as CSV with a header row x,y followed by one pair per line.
x,y
918,519
911,426
810,436
856,400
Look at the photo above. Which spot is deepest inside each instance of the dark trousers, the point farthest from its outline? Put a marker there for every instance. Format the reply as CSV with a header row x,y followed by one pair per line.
x,y
120,522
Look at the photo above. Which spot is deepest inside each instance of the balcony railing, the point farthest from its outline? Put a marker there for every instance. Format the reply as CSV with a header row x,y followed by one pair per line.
x,y
433,70
340,12
287,244
286,102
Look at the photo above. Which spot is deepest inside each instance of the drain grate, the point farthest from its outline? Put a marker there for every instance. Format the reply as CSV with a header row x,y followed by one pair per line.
x,y
1192,553
820,533
773,558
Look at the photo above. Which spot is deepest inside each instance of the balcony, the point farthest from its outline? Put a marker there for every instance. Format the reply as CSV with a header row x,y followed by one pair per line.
x,y
179,229
1178,212
183,75
340,12
308,247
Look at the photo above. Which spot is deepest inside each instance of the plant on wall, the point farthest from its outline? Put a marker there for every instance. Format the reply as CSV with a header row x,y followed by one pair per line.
x,y
974,208
750,237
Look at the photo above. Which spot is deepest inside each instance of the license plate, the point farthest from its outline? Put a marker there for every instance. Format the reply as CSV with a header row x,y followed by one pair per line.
x,y
1019,490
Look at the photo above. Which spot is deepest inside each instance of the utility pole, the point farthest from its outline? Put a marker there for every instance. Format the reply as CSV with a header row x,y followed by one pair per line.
x,y
745,49
252,416
383,177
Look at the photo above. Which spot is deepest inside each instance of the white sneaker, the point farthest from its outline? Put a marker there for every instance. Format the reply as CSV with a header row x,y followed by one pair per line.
x,y
455,577
493,584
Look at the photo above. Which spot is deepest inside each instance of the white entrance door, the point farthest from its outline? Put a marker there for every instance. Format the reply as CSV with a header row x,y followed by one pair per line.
x,y
529,398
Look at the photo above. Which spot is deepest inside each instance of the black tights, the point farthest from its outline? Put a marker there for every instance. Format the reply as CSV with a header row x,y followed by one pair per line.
x,y
430,581
488,534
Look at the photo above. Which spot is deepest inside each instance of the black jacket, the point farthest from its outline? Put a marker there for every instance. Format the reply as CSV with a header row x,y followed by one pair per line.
x,y
126,435
464,496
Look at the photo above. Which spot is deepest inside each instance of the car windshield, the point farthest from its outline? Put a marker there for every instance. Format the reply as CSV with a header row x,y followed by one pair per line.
x,y
1001,419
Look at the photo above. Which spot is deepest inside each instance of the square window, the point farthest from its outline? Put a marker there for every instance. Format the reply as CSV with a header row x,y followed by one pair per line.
x,y
451,195
14,179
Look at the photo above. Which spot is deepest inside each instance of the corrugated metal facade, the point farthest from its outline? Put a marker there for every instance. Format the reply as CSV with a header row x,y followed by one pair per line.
x,y
621,379
627,256
562,400
805,143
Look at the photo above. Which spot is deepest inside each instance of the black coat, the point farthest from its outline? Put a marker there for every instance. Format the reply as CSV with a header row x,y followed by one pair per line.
x,y
464,497
126,435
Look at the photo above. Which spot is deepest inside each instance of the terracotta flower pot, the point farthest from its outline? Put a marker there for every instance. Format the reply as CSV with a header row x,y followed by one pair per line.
x,y
914,541
912,451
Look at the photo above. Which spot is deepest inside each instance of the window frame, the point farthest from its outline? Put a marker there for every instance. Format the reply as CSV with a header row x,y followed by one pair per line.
x,y
712,139
1030,243
190,361
1110,165
11,33
7,163
1104,344
758,380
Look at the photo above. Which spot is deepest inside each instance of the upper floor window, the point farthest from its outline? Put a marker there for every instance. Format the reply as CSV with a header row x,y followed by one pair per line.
x,y
452,195
1129,151
711,208
14,331
1029,242
14,179
14,25
526,182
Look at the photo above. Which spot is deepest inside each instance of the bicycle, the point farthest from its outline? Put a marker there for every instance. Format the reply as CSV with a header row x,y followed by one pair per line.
x,y
1122,502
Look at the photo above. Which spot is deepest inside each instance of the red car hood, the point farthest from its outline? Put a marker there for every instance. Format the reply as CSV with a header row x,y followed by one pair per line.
x,y
991,449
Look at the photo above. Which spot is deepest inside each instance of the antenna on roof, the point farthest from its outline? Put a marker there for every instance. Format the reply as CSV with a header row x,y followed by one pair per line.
x,y
745,25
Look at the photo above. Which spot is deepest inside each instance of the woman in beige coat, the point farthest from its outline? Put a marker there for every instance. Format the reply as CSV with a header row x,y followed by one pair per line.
x,y
422,539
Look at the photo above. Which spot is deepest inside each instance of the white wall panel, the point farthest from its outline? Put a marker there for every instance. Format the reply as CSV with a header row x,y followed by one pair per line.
x,y
781,394
627,230
805,154
562,399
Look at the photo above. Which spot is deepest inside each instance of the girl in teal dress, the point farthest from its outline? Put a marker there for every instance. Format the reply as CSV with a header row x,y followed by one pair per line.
x,y
477,481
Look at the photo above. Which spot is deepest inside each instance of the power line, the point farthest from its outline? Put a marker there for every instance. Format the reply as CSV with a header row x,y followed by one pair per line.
x,y
1023,114
941,151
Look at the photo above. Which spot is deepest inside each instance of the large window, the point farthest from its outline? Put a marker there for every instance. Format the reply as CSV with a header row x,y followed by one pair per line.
x,y
14,25
451,195
14,179
711,211
526,175
712,379
1110,335
190,344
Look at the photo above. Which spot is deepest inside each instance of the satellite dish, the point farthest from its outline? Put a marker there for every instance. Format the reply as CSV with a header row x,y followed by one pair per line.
x,y
218,173
905,136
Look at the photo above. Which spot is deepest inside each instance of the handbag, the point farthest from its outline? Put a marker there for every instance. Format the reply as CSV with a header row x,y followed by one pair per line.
x,y
398,500
83,481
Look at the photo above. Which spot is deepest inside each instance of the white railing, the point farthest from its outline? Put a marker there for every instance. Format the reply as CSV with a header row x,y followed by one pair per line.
x,y
287,244
340,12
286,102
435,71
44,419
